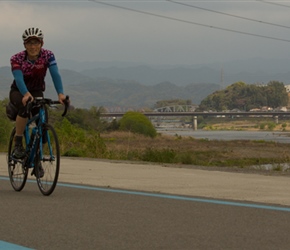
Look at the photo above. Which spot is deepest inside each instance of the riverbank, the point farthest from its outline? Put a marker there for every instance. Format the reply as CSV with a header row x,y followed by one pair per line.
x,y
188,150
275,136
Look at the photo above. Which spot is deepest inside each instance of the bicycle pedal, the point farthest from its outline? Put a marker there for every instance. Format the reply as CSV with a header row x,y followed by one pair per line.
x,y
11,164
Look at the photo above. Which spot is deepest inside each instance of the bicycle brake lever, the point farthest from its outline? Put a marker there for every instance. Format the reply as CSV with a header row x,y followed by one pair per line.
x,y
66,105
28,105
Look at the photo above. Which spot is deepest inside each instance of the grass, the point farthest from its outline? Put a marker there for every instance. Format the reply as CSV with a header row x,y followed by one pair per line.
x,y
181,150
187,150
249,123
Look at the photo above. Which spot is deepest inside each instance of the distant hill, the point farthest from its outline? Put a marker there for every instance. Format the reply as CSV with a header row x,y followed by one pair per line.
x,y
184,76
151,76
86,91
131,85
5,81
131,94
254,70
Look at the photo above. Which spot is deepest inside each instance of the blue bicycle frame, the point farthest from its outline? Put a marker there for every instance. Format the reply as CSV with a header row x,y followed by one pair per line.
x,y
34,137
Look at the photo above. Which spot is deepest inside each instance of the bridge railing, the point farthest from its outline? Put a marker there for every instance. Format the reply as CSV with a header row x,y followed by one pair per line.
x,y
194,115
260,113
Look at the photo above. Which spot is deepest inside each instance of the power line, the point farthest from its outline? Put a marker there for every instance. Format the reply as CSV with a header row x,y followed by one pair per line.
x,y
227,14
188,22
278,4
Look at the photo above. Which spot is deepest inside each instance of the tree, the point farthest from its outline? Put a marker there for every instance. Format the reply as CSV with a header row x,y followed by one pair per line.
x,y
137,123
244,96
172,102
276,94
88,119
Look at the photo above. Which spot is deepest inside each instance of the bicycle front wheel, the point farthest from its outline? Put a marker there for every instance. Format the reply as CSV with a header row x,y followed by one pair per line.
x,y
16,168
47,160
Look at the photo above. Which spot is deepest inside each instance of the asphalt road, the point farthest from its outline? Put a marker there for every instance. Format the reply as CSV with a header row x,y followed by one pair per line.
x,y
111,205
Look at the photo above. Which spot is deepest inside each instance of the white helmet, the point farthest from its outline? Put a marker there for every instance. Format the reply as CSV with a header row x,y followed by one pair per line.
x,y
32,33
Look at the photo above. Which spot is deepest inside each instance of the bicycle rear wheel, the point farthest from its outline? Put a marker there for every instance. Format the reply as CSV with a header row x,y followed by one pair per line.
x,y
16,167
47,160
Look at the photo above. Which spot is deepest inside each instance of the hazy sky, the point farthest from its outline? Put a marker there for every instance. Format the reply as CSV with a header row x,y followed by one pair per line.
x,y
156,32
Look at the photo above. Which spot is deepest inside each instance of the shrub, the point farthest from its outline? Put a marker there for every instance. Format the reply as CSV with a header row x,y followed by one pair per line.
x,y
262,126
271,125
95,145
137,123
70,137
74,152
5,126
159,155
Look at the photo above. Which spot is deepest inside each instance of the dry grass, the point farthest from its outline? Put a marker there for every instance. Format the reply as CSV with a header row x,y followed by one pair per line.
x,y
188,150
254,124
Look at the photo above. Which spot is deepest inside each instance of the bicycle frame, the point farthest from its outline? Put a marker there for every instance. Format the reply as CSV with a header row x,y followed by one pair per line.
x,y
39,119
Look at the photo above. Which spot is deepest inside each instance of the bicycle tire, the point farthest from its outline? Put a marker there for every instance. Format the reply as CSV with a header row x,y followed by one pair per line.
x,y
48,155
16,168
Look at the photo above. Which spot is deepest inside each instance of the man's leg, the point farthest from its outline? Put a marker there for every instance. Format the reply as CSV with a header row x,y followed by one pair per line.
x,y
19,151
16,99
20,125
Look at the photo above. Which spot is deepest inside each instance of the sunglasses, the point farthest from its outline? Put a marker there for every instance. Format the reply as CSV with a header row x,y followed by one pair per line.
x,y
30,43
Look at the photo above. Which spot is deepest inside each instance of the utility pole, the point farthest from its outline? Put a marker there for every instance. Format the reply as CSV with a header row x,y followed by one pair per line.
x,y
222,79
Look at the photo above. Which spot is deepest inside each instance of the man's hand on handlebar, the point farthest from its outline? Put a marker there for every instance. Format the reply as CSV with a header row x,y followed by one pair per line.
x,y
62,98
65,101
30,101
26,98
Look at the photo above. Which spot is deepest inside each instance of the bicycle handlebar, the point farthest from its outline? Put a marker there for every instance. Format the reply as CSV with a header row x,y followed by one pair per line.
x,y
66,105
40,100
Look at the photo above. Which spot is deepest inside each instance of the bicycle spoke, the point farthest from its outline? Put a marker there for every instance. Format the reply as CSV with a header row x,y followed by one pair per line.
x,y
47,161
17,171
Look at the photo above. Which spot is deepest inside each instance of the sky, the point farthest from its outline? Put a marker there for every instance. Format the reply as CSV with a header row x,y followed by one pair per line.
x,y
150,31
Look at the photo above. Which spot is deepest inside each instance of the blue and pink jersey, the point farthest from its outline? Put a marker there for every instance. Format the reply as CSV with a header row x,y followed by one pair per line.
x,y
33,72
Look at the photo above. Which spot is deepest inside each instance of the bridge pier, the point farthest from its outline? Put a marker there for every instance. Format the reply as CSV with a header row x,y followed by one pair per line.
x,y
194,123
276,118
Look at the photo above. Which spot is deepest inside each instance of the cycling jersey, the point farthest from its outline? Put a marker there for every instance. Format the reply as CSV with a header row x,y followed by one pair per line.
x,y
33,71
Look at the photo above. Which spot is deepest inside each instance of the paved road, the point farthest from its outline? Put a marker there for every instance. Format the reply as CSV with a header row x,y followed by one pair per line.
x,y
99,205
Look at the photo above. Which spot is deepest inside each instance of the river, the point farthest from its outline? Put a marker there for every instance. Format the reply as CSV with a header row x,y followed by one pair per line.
x,y
276,136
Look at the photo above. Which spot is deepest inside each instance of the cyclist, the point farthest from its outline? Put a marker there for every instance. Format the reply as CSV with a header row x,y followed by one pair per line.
x,y
29,68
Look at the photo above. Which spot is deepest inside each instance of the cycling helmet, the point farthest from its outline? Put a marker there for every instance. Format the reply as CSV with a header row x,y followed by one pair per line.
x,y
30,33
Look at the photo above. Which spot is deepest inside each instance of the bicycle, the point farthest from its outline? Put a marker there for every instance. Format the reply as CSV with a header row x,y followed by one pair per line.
x,y
42,149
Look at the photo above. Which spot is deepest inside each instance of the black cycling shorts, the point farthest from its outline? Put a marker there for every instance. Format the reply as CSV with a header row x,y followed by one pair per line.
x,y
16,99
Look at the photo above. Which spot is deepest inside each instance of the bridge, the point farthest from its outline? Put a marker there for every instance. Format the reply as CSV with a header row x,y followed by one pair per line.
x,y
177,108
194,115
217,114
172,108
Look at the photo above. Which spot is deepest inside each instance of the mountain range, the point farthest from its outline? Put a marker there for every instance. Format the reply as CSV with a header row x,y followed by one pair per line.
x,y
123,85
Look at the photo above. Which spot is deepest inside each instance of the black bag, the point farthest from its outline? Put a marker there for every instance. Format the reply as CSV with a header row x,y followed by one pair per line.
x,y
11,111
